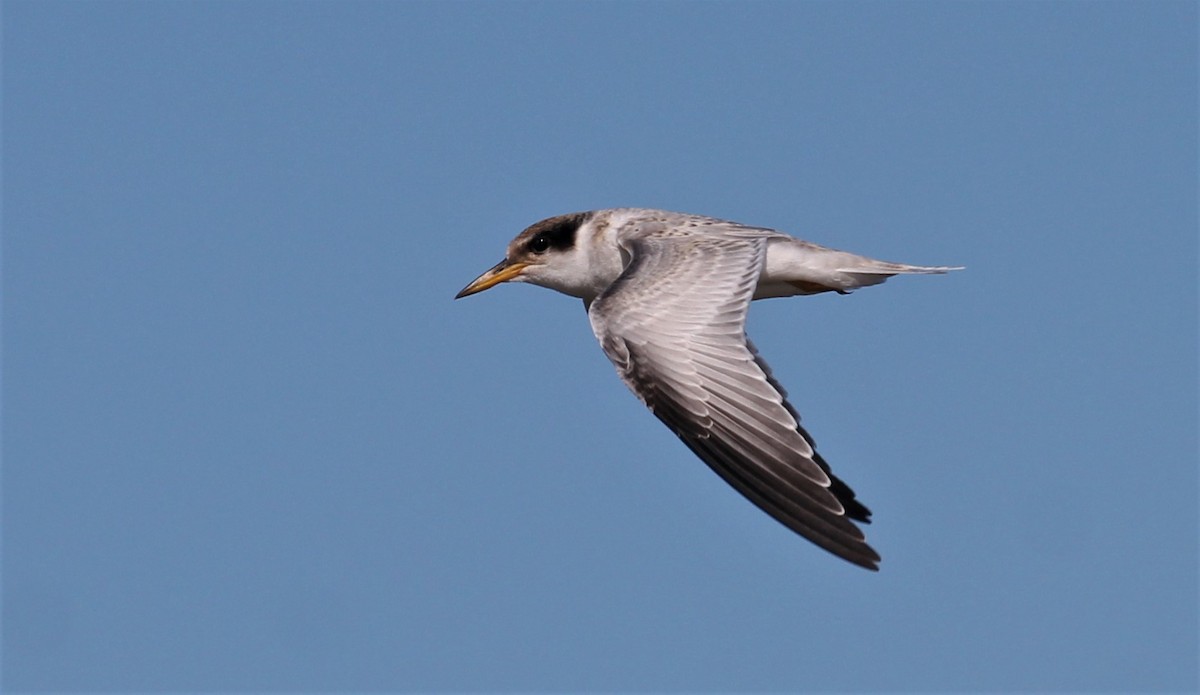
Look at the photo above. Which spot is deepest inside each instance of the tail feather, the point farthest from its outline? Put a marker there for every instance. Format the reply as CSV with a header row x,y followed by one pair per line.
x,y
885,268
799,267
878,271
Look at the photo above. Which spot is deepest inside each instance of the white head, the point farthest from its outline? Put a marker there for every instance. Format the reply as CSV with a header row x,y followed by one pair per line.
x,y
559,253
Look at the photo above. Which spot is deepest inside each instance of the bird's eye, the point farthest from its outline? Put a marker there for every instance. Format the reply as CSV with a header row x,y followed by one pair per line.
x,y
539,244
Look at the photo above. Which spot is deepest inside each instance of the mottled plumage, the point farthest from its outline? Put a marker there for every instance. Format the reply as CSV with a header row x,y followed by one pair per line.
x,y
667,295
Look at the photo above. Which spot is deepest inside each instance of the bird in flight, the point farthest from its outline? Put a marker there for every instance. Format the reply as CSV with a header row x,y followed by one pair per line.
x,y
667,295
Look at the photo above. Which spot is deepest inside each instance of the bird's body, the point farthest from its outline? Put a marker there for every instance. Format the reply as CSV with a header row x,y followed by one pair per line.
x,y
667,294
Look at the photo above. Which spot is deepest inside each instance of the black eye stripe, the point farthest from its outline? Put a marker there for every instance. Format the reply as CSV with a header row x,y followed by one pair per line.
x,y
556,233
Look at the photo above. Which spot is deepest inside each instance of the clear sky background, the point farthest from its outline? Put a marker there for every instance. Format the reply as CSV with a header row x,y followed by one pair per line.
x,y
251,443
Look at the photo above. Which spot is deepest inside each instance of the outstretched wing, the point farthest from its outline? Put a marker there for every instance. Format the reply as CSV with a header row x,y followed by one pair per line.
x,y
673,324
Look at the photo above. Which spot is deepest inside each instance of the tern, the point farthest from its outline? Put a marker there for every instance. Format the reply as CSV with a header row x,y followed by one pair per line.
x,y
667,295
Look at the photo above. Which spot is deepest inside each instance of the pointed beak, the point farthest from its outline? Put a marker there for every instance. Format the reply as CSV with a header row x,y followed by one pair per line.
x,y
501,272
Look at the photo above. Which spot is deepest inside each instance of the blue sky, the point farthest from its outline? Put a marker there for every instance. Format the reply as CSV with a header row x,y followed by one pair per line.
x,y
250,443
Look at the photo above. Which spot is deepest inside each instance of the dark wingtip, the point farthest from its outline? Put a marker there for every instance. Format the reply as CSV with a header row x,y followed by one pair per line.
x,y
864,557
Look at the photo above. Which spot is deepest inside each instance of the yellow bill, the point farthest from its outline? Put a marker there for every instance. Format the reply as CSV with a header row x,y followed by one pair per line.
x,y
501,272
